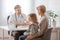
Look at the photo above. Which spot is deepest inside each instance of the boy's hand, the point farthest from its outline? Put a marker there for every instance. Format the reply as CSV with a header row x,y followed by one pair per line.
x,y
29,37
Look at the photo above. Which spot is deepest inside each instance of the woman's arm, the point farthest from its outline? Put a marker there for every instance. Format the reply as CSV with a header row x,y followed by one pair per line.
x,y
43,28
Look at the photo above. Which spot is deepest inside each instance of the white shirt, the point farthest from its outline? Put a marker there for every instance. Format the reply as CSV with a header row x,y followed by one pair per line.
x,y
15,18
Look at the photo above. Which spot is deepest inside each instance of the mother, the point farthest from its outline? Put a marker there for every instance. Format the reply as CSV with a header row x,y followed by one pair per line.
x,y
43,24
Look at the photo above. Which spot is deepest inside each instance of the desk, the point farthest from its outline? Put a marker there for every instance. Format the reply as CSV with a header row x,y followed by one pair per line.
x,y
14,29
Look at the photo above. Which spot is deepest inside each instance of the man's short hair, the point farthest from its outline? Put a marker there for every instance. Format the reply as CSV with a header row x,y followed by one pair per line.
x,y
17,6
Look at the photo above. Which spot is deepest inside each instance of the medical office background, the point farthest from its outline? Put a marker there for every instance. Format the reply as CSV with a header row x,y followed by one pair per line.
x,y
27,6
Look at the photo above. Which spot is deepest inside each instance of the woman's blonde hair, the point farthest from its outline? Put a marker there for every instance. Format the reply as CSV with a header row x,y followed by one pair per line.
x,y
42,8
33,17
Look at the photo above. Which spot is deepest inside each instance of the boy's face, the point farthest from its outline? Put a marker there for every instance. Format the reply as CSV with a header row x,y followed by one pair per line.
x,y
29,19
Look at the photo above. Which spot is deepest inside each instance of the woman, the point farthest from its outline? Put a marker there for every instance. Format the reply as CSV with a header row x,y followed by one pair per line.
x,y
33,27
43,24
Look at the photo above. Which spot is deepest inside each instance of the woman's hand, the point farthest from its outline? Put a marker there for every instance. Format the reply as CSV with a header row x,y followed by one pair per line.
x,y
29,37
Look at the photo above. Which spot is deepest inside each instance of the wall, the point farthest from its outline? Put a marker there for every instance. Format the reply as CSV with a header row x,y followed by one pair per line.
x,y
0,12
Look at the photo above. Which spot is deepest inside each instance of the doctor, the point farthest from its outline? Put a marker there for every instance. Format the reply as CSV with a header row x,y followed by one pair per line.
x,y
17,19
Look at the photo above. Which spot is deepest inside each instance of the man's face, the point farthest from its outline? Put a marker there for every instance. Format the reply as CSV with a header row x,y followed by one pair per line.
x,y
18,10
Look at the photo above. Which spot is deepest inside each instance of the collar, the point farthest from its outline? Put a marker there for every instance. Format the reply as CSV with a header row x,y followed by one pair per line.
x,y
18,15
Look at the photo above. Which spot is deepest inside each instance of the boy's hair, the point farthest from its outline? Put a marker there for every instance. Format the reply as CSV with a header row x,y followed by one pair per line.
x,y
33,17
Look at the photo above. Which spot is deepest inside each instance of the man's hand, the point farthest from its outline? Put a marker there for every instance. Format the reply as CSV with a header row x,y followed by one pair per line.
x,y
21,24
13,22
17,24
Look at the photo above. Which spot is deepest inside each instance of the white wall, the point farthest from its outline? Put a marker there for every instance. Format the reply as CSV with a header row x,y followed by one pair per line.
x,y
39,2
51,5
0,12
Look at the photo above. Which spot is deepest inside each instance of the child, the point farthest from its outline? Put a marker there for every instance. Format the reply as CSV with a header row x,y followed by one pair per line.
x,y
33,27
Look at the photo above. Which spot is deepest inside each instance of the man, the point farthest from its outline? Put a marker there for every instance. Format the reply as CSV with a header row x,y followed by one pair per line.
x,y
17,19
43,23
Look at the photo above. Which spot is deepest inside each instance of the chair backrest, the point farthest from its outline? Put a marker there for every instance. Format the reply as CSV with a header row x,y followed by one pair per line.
x,y
47,35
8,18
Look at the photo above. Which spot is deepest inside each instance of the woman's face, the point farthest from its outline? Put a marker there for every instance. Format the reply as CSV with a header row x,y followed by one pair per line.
x,y
39,11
